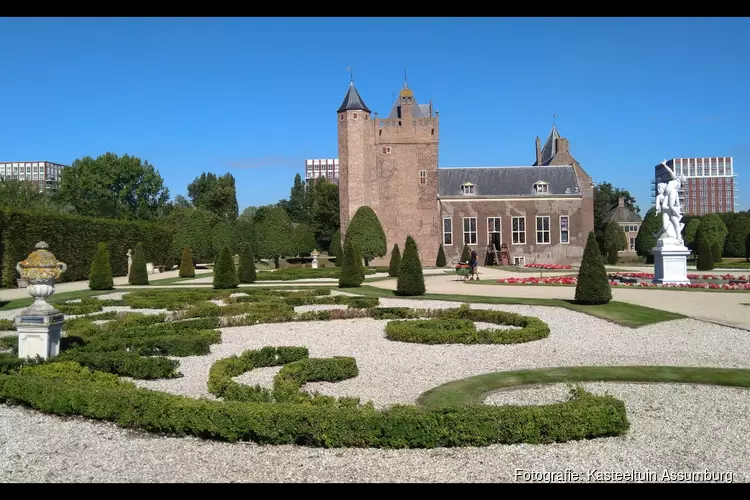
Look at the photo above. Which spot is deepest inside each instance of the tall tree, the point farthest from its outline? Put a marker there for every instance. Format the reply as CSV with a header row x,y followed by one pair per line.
x,y
215,194
367,233
646,239
248,213
738,228
23,195
112,186
712,230
274,235
297,208
324,202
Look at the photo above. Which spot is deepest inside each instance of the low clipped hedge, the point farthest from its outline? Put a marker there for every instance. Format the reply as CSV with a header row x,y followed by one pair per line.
x,y
66,388
127,364
456,326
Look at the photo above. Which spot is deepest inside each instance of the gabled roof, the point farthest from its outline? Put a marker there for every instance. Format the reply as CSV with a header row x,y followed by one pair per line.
x,y
550,147
353,101
417,110
622,215
508,181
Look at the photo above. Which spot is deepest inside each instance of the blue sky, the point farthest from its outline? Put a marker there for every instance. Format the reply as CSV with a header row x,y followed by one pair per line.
x,y
256,96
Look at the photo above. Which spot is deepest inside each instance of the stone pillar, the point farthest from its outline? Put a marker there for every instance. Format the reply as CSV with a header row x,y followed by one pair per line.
x,y
315,254
39,333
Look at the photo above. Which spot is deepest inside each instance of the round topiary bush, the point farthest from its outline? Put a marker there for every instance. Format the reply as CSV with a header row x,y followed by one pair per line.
x,y
187,269
138,271
593,284
225,274
395,263
440,260
100,277
410,276
705,257
246,272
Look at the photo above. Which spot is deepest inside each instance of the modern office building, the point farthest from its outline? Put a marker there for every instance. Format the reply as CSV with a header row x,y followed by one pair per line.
x,y
329,169
43,174
710,187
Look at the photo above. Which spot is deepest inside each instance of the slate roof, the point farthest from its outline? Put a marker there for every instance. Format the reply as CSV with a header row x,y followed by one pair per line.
x,y
353,101
508,181
418,110
550,150
622,215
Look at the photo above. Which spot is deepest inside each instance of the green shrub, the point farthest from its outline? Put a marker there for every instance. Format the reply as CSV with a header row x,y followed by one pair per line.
x,y
362,302
100,277
85,306
440,260
73,239
395,263
126,364
716,252
225,274
593,284
410,277
705,260
351,271
334,250
367,234
466,253
138,271
246,272
187,269
7,325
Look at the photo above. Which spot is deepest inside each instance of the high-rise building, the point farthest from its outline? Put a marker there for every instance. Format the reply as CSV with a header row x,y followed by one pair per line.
x,y
710,184
314,169
44,174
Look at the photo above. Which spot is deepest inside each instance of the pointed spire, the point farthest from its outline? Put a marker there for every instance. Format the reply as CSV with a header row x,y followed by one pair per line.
x,y
550,147
406,83
352,100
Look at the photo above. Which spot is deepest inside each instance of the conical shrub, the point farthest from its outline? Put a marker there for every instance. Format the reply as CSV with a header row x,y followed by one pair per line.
x,y
593,284
410,276
246,271
395,264
334,250
352,273
187,269
138,272
466,254
716,252
225,274
100,277
440,261
705,257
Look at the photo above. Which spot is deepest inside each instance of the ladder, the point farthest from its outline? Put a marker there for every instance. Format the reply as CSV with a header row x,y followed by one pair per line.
x,y
504,255
491,256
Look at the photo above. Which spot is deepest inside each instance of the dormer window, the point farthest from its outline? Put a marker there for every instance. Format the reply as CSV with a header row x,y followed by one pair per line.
x,y
467,188
541,187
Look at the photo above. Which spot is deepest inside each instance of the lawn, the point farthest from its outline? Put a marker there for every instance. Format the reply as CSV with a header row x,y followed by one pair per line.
x,y
622,313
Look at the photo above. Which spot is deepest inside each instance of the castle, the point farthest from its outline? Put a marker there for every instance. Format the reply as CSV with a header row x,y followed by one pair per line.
x,y
542,212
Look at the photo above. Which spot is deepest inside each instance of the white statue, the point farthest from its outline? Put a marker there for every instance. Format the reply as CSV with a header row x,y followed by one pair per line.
x,y
130,259
669,207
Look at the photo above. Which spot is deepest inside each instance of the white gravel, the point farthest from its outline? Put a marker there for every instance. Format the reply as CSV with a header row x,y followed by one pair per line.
x,y
678,428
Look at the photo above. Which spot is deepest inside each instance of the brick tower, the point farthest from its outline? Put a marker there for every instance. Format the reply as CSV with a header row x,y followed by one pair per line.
x,y
391,165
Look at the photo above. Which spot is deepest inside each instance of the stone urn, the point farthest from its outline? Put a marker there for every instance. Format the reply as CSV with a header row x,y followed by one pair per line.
x,y
314,254
40,270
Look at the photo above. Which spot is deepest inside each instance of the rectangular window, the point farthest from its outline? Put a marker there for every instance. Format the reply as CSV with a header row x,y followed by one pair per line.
x,y
519,261
564,231
494,230
518,228
470,230
387,150
542,229
423,177
447,231
632,244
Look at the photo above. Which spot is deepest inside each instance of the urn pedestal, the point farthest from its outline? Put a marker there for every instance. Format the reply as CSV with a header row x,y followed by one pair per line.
x,y
314,255
670,264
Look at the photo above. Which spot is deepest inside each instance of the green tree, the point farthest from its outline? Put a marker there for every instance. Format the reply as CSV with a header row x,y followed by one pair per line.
x,y
395,263
614,241
712,230
274,235
410,277
646,239
225,274
747,248
223,235
334,249
100,277
248,213
23,195
351,270
304,239
367,233
182,202
593,284
138,271
112,186
324,211
606,197
191,228
440,260
716,252
466,253
297,207
705,261
738,228
187,269
246,272
690,231
215,194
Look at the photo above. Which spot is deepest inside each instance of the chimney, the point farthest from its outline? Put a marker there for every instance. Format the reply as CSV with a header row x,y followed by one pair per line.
x,y
621,201
538,151
561,145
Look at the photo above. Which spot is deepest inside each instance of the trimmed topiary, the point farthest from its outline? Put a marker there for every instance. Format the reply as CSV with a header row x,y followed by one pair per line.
x,y
440,260
410,277
593,283
466,254
246,272
100,277
395,264
716,252
187,269
138,272
352,274
225,274
367,234
334,250
705,257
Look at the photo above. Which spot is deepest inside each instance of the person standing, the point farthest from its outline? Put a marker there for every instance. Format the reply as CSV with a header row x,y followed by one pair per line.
x,y
473,262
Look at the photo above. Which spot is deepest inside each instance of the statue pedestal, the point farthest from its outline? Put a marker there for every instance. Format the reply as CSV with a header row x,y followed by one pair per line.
x,y
39,333
670,264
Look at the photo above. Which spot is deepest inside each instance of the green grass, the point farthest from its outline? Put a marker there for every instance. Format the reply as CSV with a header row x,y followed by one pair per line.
x,y
622,313
474,390
178,280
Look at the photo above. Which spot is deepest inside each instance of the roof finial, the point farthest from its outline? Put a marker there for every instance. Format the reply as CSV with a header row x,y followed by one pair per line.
x,y
406,86
554,116
351,74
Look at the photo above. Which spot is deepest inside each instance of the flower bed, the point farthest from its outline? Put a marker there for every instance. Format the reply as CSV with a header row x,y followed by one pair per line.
x,y
572,280
548,266
649,276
